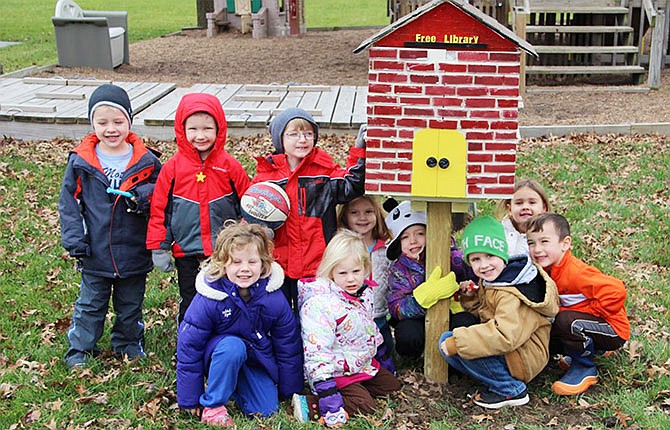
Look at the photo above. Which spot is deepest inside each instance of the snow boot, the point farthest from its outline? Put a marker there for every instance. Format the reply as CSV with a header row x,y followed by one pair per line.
x,y
582,374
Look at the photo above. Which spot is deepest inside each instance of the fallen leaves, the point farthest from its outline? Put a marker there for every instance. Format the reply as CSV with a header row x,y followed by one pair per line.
x,y
633,349
98,398
480,418
163,398
655,372
48,333
419,403
7,390
26,366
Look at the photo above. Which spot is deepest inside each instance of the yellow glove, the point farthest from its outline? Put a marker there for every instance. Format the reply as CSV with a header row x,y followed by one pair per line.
x,y
435,288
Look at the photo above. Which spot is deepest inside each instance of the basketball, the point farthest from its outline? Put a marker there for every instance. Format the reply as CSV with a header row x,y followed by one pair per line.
x,y
265,203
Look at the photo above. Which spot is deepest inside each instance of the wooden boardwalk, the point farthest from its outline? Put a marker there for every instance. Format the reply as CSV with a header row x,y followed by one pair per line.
x,y
44,108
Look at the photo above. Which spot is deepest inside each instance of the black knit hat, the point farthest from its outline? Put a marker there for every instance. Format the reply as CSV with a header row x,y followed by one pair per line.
x,y
110,95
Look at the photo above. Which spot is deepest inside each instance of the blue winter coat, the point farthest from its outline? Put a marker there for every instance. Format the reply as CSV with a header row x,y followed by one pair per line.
x,y
98,227
265,323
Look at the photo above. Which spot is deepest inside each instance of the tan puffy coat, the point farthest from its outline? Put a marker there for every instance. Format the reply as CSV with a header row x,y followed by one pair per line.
x,y
511,325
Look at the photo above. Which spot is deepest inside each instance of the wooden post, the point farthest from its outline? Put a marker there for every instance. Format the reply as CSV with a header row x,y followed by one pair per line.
x,y
520,16
656,52
438,253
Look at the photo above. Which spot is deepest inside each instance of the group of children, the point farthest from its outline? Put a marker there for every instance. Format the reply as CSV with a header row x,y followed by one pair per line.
x,y
261,313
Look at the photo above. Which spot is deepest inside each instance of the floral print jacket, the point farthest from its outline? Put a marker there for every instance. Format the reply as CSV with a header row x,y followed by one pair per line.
x,y
339,335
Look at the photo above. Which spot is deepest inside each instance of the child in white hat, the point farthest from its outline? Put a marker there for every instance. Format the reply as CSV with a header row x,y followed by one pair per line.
x,y
410,294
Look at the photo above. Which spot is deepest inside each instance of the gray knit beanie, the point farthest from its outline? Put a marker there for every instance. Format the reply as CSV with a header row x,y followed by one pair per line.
x,y
279,123
110,95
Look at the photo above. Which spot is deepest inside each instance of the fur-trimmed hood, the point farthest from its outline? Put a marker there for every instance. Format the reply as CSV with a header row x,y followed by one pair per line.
x,y
265,324
209,290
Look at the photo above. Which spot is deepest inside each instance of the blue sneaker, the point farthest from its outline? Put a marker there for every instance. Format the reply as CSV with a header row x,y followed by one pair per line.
x,y
132,353
300,408
77,359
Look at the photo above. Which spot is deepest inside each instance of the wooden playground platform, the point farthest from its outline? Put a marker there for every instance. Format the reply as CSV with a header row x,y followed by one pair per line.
x,y
44,108
38,108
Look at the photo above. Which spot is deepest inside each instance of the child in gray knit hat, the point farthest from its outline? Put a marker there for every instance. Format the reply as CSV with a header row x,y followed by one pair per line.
x,y
315,185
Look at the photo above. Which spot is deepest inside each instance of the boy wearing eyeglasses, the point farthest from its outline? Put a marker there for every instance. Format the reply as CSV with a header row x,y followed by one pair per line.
x,y
315,185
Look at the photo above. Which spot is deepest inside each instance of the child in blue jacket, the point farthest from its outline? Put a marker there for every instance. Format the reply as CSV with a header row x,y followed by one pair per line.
x,y
239,332
103,207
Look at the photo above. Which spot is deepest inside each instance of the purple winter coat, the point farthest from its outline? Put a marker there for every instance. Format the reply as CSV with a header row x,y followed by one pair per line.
x,y
265,323
406,274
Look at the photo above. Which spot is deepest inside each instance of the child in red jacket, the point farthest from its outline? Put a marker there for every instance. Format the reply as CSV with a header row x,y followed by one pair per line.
x,y
198,189
592,318
315,185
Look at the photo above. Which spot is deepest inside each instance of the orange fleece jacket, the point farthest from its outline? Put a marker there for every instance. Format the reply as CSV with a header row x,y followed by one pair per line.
x,y
584,288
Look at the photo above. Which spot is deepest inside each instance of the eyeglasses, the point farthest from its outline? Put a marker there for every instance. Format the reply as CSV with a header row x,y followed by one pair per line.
x,y
295,135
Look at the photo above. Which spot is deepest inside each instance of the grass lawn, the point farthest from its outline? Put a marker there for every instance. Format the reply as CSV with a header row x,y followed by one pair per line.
x,y
614,190
345,13
29,22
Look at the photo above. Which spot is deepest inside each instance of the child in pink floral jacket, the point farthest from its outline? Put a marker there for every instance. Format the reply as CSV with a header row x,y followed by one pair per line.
x,y
340,338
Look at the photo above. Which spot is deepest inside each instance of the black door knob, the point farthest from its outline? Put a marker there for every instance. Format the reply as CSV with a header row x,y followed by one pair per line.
x,y
444,163
431,162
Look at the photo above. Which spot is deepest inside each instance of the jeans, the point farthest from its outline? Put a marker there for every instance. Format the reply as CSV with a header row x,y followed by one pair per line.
x,y
491,371
90,311
229,376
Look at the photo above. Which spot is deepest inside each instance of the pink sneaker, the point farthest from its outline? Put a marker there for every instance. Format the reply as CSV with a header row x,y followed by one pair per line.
x,y
217,417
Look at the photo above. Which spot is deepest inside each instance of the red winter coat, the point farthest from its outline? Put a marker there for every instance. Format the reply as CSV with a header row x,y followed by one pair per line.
x,y
314,188
193,198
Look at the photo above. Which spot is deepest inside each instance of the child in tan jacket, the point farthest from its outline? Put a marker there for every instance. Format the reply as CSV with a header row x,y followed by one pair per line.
x,y
515,302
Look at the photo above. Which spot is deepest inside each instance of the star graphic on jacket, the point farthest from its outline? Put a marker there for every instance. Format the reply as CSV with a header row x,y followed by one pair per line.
x,y
200,177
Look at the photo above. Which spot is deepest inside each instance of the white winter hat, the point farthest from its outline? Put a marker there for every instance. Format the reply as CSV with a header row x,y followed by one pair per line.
x,y
398,219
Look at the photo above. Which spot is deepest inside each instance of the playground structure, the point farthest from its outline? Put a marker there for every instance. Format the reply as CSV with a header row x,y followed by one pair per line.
x,y
443,99
597,41
610,39
264,18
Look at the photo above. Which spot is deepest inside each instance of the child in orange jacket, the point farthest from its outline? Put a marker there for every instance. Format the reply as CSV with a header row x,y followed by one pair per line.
x,y
592,318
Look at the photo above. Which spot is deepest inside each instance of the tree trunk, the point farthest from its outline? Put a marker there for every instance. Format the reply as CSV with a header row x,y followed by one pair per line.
x,y
203,6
